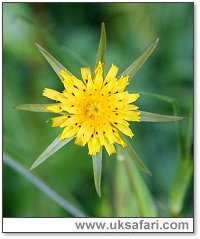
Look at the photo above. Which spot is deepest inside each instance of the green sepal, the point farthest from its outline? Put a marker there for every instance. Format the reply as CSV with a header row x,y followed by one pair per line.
x,y
153,117
97,169
137,64
56,65
50,150
130,152
34,107
101,53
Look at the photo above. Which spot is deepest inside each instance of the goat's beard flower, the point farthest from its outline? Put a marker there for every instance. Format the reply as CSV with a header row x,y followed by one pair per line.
x,y
96,110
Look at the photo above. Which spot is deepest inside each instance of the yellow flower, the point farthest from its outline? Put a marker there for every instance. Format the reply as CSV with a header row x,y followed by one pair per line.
x,y
96,110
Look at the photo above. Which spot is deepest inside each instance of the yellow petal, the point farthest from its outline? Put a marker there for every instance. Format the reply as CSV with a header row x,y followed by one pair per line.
x,y
118,97
118,139
109,133
118,119
88,133
110,148
57,121
70,121
132,97
62,136
86,74
65,75
70,109
79,140
51,94
98,76
56,108
94,146
111,73
107,89
120,84
68,132
100,134
78,83
65,101
124,129
132,116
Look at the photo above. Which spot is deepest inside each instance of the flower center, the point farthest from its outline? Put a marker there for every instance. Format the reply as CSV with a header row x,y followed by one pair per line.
x,y
92,110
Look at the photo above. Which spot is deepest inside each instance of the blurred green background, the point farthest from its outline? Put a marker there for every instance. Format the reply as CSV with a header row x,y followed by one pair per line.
x,y
70,31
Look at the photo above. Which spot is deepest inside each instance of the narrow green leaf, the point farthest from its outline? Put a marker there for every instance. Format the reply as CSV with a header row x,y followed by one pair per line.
x,y
101,53
152,117
137,64
184,170
180,186
44,188
51,149
97,168
130,152
33,107
139,188
56,65
189,131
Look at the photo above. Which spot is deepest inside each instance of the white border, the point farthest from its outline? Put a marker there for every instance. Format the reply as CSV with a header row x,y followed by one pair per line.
x,y
92,225
197,108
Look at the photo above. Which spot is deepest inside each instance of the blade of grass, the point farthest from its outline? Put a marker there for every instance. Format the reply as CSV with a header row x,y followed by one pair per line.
x,y
184,171
101,53
62,202
152,117
180,185
97,168
137,64
125,204
189,133
139,188
51,149
56,65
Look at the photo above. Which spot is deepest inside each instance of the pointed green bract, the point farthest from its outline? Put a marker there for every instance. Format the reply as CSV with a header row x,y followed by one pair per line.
x,y
56,65
97,168
51,149
137,64
33,107
130,152
152,117
101,54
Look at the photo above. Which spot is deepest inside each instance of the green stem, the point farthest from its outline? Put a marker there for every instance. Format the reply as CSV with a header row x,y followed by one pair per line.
x,y
43,187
